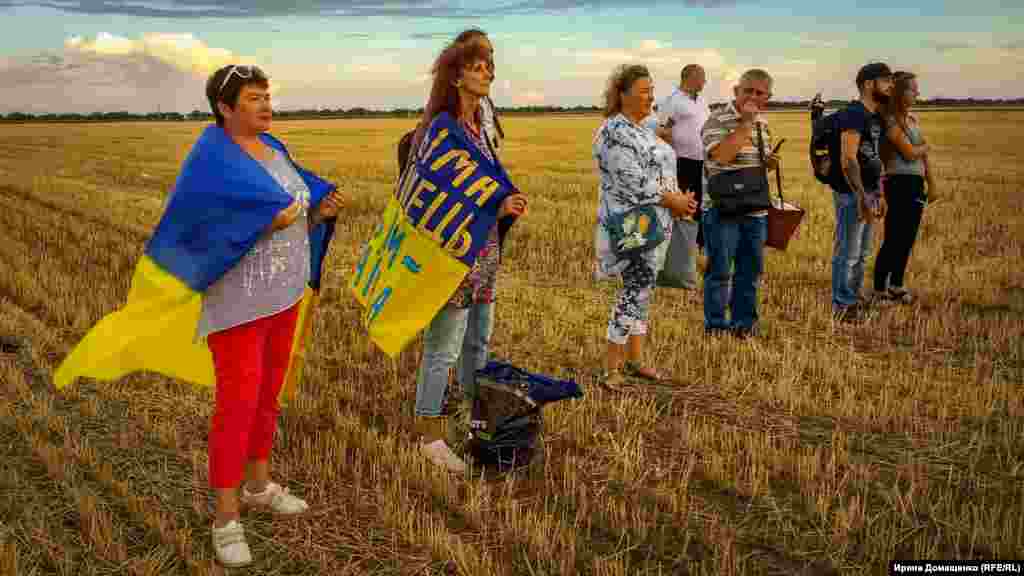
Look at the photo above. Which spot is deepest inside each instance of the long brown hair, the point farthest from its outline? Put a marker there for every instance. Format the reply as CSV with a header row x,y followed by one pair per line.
x,y
896,109
447,68
897,105
470,34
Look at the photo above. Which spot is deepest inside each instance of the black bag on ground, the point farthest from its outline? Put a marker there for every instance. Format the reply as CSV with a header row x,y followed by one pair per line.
x,y
509,410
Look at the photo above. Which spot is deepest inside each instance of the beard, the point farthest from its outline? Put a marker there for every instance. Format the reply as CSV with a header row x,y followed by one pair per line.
x,y
881,97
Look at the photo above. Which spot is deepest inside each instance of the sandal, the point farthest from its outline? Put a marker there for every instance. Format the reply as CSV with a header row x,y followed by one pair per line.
x,y
631,369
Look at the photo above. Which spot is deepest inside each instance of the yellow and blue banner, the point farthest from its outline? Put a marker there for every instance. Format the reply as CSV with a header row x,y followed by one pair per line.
x,y
434,226
222,202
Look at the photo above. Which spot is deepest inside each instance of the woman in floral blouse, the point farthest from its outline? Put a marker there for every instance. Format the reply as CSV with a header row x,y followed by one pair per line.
x,y
632,175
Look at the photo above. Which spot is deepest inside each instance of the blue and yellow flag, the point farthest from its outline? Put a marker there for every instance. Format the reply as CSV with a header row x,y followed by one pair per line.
x,y
221,203
435,224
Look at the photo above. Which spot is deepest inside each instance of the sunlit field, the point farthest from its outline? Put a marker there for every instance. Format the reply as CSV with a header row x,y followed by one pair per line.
x,y
814,449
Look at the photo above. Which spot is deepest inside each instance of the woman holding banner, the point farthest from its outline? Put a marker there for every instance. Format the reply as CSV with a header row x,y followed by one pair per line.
x,y
235,260
492,131
488,114
463,74
627,155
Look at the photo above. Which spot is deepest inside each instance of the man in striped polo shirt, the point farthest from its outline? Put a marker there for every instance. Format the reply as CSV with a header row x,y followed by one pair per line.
x,y
731,137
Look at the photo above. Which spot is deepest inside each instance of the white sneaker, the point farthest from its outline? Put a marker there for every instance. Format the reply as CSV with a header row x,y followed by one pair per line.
x,y
440,454
276,498
230,546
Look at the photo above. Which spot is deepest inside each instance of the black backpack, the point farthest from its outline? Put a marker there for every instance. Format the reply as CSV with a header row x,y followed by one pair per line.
x,y
404,146
825,148
507,421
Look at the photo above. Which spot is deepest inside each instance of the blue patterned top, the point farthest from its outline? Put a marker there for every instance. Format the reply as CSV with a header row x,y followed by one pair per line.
x,y
636,169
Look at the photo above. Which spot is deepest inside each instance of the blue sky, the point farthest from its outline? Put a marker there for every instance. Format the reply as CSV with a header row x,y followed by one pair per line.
x,y
142,55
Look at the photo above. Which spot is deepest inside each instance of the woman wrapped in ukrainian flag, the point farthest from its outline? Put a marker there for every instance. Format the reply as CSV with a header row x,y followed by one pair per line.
x,y
224,292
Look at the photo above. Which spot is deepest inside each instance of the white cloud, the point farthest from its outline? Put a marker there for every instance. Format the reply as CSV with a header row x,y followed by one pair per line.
x,y
182,50
664,61
157,71
84,82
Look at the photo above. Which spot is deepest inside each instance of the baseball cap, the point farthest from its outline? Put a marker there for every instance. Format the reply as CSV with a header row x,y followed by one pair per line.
x,y
872,71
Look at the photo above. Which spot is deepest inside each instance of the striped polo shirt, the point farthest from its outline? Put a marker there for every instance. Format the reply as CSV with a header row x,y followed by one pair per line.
x,y
720,124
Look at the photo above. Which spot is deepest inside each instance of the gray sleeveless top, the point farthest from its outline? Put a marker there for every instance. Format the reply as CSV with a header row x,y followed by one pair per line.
x,y
272,276
897,163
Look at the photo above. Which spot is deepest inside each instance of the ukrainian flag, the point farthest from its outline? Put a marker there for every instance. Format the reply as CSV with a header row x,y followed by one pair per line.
x,y
435,224
221,203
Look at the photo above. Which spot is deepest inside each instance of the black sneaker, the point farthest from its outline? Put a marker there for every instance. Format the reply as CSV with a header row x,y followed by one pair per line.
x,y
900,295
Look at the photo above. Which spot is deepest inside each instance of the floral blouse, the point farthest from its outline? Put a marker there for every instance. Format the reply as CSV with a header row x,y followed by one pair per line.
x,y
635,169
478,285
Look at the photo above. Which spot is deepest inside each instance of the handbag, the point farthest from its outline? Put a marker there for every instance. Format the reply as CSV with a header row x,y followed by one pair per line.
x,y
634,231
680,266
784,219
740,192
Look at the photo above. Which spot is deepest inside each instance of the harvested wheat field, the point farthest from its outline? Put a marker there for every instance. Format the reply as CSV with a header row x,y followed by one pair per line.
x,y
815,449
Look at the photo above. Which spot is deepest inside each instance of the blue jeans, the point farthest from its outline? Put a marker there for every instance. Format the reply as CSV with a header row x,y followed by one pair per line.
x,y
850,249
454,335
734,242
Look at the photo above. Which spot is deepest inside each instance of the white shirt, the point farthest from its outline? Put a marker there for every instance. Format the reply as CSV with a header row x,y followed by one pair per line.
x,y
689,116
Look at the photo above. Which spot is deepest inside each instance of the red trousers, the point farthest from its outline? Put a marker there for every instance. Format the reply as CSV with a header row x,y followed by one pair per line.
x,y
250,362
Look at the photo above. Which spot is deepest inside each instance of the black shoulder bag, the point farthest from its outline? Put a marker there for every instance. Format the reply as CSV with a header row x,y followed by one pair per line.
x,y
741,191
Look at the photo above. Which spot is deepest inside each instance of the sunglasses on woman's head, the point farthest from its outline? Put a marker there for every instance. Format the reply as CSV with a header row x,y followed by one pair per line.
x,y
242,71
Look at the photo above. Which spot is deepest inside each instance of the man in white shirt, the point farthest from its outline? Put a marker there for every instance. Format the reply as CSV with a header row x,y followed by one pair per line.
x,y
681,118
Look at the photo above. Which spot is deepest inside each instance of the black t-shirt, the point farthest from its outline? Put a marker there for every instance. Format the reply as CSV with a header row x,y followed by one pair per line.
x,y
870,126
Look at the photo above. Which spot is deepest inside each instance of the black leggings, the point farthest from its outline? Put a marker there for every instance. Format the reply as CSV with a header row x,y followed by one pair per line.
x,y
904,193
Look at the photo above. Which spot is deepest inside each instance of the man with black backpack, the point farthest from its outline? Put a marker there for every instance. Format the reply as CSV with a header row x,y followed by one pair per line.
x,y
845,155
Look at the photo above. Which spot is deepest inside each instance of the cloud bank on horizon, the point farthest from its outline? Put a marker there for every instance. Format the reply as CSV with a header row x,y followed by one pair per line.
x,y
385,64
347,8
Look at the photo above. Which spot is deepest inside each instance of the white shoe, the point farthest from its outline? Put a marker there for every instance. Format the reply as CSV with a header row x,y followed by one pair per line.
x,y
440,454
276,498
230,546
